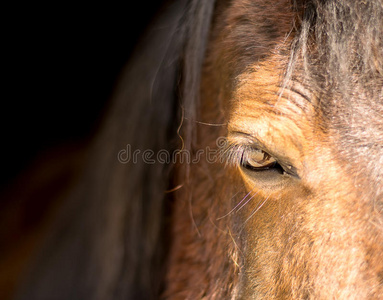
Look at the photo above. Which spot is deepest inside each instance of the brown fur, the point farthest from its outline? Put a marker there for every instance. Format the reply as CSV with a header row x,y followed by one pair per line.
x,y
317,237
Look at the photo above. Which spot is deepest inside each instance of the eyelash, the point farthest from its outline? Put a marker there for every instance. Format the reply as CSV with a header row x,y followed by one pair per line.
x,y
235,154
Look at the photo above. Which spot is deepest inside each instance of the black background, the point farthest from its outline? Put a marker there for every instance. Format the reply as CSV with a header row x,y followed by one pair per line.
x,y
61,63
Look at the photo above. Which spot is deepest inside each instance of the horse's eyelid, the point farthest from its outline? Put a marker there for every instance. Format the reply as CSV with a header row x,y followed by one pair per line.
x,y
233,155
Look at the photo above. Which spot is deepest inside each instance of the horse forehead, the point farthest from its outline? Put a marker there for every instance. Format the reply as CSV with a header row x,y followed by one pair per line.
x,y
351,114
356,131
246,31
359,112
352,121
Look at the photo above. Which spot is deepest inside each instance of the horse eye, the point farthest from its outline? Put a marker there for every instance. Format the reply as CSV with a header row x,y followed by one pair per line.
x,y
258,160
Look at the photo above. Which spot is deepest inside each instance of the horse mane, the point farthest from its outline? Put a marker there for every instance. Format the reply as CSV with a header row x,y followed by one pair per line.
x,y
338,40
109,239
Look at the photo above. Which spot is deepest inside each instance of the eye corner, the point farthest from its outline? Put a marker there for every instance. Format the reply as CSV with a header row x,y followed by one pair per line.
x,y
290,170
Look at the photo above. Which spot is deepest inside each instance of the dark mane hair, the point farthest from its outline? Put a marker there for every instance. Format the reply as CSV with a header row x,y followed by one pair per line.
x,y
342,37
109,239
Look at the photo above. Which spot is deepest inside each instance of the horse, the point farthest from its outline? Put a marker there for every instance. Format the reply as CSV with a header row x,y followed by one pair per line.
x,y
241,158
